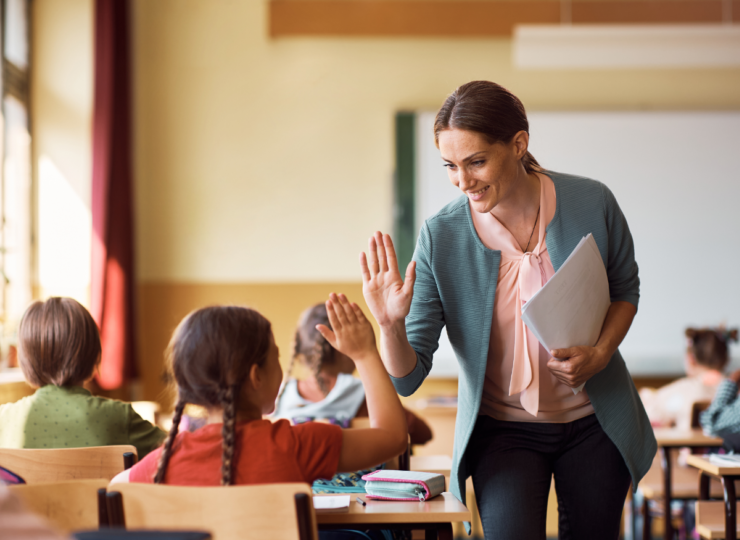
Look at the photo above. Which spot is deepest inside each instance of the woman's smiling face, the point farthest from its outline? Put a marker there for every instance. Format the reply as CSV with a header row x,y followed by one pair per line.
x,y
484,171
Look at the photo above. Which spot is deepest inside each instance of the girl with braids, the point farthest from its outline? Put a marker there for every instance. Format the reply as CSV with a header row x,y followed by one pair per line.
x,y
330,391
225,359
705,361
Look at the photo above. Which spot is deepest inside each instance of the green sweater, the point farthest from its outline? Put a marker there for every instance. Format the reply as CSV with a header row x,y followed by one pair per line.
x,y
70,417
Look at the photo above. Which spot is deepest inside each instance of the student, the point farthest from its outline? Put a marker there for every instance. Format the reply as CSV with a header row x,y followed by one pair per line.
x,y
706,359
722,418
58,351
225,359
330,391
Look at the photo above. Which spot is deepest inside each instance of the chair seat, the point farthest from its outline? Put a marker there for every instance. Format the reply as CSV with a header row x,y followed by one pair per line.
x,y
710,519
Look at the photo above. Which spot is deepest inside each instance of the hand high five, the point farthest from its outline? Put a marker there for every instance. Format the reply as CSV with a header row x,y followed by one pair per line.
x,y
352,333
386,294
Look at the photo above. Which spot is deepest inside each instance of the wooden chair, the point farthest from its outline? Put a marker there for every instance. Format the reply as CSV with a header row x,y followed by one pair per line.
x,y
275,511
63,464
710,519
118,534
69,506
697,408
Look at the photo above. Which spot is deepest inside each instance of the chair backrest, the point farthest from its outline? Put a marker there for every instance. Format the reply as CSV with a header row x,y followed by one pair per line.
x,y
118,534
697,408
69,506
228,513
63,464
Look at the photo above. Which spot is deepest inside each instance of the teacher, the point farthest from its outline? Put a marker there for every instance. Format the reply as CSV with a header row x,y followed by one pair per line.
x,y
477,261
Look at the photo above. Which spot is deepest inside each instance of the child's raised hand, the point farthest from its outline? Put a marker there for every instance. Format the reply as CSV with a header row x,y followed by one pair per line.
x,y
352,333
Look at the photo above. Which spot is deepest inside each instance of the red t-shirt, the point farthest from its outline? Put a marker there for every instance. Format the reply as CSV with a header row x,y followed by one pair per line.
x,y
265,453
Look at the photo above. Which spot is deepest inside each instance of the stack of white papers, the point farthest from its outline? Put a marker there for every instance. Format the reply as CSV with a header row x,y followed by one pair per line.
x,y
728,460
334,503
569,310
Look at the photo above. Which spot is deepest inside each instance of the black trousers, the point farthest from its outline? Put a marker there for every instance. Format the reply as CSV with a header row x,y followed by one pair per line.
x,y
512,464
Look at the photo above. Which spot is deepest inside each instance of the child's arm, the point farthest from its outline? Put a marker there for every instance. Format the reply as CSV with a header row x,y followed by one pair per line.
x,y
723,415
388,435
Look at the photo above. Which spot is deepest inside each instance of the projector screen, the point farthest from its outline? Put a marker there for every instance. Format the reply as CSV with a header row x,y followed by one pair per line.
x,y
676,180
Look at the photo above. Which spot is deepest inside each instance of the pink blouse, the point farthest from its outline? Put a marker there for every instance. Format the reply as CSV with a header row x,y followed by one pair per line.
x,y
518,386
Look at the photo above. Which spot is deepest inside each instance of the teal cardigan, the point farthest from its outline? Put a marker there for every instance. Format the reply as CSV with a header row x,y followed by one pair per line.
x,y
456,285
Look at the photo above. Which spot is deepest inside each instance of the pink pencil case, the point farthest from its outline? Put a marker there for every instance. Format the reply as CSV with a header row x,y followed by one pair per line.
x,y
403,485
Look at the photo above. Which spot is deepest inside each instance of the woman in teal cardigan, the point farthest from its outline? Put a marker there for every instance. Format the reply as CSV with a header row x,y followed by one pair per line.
x,y
476,262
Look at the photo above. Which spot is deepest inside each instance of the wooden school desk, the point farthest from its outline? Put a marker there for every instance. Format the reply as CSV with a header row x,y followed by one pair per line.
x,y
435,515
668,440
709,519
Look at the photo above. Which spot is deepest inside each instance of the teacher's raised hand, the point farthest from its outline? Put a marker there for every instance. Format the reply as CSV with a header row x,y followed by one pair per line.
x,y
386,294
389,300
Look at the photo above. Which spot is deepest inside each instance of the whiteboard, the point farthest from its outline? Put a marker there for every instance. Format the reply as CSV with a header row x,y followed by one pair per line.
x,y
676,180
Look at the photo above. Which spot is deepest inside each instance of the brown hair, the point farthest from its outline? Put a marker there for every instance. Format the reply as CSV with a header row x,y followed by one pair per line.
x,y
58,343
709,346
486,108
310,347
211,353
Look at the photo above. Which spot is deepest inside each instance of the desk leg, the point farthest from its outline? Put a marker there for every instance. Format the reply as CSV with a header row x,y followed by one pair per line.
x,y
728,483
665,457
703,486
647,529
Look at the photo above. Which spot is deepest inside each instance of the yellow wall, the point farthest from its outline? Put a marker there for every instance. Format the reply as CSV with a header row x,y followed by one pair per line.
x,y
265,162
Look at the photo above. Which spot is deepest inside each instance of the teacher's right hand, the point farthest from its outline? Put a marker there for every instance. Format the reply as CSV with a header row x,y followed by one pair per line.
x,y
386,294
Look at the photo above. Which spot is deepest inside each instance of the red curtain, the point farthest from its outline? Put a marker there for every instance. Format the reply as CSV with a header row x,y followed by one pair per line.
x,y
112,295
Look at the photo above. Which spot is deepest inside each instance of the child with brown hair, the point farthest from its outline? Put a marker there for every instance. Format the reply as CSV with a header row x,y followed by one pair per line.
x,y
58,351
225,359
705,361
330,391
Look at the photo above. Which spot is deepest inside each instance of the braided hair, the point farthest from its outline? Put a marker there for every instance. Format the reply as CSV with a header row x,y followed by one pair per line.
x,y
709,346
210,354
310,347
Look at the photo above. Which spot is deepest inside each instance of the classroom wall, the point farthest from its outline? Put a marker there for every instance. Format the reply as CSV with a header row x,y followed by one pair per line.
x,y
263,165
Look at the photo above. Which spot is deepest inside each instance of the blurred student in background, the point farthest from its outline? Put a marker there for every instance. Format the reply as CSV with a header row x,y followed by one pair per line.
x,y
330,391
705,361
722,418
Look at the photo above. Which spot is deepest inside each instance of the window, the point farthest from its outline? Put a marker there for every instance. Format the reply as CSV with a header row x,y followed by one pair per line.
x,y
16,235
